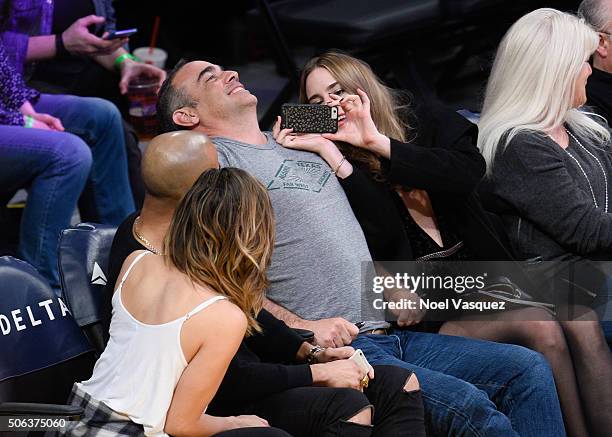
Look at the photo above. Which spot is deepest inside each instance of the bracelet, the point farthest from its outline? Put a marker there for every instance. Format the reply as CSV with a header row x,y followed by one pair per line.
x,y
60,48
339,165
310,358
121,59
29,121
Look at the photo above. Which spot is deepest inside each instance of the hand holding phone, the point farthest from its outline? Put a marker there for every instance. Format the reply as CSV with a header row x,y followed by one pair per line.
x,y
78,39
116,34
360,359
315,119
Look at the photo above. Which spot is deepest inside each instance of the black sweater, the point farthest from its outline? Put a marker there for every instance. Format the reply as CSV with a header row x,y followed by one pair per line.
x,y
599,93
259,367
545,200
440,157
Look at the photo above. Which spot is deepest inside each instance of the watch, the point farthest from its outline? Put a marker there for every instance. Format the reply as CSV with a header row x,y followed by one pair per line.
x,y
310,358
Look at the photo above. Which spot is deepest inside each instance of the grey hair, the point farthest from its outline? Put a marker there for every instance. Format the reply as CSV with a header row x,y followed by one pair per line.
x,y
595,12
170,98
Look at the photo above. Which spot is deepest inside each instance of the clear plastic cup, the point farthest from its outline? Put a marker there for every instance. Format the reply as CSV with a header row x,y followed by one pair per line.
x,y
142,95
155,56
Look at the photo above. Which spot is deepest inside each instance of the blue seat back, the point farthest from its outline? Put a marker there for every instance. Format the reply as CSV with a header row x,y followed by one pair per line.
x,y
83,262
37,330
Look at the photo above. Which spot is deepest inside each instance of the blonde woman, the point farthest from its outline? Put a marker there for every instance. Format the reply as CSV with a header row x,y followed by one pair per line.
x,y
549,167
179,318
412,192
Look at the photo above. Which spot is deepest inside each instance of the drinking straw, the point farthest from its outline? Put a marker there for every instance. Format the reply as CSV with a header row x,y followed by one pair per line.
x,y
154,35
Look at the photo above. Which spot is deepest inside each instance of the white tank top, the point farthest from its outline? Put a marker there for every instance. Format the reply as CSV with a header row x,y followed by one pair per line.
x,y
138,371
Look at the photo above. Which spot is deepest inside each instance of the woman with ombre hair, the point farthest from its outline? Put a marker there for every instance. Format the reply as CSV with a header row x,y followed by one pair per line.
x,y
168,351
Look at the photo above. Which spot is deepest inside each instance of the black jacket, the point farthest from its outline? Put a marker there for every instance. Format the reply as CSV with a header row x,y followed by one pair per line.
x,y
440,157
599,93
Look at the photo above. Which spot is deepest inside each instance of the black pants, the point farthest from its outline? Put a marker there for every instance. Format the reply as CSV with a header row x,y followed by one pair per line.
x,y
253,432
324,412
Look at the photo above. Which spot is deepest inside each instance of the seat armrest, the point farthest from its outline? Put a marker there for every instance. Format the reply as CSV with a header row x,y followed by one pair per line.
x,y
34,409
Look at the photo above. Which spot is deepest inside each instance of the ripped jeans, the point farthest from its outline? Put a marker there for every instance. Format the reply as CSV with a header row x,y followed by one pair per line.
x,y
324,411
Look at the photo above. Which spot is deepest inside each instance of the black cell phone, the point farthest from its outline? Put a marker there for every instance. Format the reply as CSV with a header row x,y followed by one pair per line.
x,y
121,33
318,119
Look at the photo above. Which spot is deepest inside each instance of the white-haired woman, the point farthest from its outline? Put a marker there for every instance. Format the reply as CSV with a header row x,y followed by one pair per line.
x,y
549,174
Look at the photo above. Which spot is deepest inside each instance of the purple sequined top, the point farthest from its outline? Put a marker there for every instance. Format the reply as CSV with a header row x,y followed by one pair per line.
x,y
13,92
19,19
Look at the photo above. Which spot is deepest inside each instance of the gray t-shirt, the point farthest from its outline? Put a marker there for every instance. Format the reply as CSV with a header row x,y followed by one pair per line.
x,y
316,265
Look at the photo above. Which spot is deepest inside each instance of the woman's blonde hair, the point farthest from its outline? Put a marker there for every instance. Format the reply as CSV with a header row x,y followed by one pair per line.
x,y
386,104
532,82
222,236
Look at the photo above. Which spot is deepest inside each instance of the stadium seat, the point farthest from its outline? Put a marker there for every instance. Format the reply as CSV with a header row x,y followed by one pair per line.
x,y
83,261
43,349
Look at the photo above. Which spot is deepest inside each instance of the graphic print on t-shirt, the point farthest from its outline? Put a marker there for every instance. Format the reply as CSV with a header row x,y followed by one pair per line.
x,y
300,175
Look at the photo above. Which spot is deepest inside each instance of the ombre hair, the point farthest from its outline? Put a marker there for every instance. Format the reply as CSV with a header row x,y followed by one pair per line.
x,y
222,237
532,83
385,103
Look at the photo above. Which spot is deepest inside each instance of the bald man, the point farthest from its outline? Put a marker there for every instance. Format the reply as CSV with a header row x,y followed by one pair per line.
x,y
170,165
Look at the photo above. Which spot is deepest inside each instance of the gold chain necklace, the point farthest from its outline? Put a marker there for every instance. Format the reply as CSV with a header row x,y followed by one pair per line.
x,y
143,240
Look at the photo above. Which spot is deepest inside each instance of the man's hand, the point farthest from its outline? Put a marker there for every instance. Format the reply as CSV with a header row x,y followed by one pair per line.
x,y
78,40
131,69
408,317
334,353
336,332
340,373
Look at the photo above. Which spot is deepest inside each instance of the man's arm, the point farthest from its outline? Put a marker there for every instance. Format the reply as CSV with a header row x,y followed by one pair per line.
x,y
334,332
284,314
129,69
277,343
77,40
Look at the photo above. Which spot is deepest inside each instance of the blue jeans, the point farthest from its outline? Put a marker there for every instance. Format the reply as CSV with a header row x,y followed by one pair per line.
x,y
56,166
473,387
107,197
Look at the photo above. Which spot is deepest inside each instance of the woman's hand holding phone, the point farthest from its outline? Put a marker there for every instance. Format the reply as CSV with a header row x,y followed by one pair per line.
x,y
340,373
359,129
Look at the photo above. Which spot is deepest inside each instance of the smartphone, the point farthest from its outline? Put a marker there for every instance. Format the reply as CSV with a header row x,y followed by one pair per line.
x,y
121,33
361,360
317,119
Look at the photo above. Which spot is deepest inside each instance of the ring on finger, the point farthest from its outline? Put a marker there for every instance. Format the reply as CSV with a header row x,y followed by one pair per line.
x,y
364,381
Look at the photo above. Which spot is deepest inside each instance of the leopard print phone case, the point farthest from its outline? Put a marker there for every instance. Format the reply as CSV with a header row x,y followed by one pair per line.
x,y
316,119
